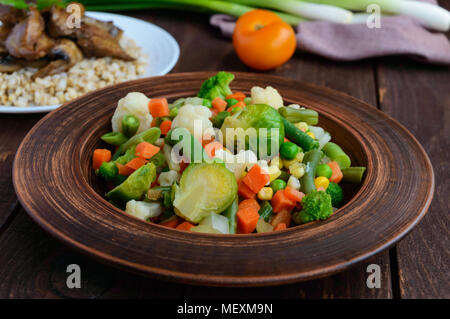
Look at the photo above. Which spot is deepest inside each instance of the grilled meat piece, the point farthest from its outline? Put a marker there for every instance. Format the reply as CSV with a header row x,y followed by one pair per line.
x,y
95,40
57,22
27,39
67,55
9,16
107,26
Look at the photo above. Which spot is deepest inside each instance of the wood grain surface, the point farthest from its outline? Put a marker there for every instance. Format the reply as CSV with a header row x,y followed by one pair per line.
x,y
57,153
28,251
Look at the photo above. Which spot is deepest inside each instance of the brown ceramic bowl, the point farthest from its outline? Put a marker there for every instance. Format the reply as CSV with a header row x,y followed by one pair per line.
x,y
55,184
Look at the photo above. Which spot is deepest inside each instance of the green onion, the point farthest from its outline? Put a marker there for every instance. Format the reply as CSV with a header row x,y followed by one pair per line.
x,y
430,15
304,9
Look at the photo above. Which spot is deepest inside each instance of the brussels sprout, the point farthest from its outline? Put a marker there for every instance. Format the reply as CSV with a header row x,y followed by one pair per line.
x,y
258,117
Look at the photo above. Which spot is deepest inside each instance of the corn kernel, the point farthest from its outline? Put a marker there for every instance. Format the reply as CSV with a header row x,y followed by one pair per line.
x,y
243,174
299,157
297,170
293,182
276,161
302,126
321,181
311,134
265,193
274,172
287,163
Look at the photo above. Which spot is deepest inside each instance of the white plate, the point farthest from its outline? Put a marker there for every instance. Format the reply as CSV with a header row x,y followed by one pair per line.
x,y
161,48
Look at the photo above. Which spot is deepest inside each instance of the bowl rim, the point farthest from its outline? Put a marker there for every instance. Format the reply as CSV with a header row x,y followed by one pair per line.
x,y
221,279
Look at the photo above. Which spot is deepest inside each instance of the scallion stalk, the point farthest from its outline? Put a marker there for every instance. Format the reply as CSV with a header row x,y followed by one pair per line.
x,y
430,15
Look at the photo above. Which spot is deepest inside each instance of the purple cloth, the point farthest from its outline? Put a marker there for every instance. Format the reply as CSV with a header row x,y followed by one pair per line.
x,y
398,35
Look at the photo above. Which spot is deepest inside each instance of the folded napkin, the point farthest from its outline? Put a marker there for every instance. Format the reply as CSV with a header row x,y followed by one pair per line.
x,y
398,35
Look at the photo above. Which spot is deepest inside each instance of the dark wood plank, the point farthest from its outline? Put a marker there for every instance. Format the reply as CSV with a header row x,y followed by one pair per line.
x,y
33,265
419,97
14,128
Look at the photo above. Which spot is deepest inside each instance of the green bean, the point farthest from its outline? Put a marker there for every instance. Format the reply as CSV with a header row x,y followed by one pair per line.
x,y
265,211
299,137
159,161
114,138
130,125
217,120
353,174
150,136
192,148
335,153
230,213
311,117
311,159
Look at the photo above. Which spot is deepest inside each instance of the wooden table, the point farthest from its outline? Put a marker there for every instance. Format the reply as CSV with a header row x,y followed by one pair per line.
x,y
33,264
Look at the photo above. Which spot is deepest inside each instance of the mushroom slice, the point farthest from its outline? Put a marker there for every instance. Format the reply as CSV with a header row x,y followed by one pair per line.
x,y
67,55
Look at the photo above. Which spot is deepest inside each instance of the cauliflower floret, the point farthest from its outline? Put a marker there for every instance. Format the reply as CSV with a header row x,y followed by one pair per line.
x,y
237,163
136,104
269,96
191,116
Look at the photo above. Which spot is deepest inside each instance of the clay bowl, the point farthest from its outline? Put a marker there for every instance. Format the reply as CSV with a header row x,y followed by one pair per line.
x,y
56,186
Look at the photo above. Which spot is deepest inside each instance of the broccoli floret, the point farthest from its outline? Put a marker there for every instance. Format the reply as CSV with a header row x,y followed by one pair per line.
x,y
216,86
335,191
316,205
108,170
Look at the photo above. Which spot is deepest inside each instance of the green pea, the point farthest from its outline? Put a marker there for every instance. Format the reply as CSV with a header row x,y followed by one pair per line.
x,y
324,170
248,100
231,102
277,185
173,112
130,125
207,103
289,150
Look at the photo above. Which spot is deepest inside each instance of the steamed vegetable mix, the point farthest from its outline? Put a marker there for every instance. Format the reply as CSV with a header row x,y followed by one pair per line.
x,y
261,168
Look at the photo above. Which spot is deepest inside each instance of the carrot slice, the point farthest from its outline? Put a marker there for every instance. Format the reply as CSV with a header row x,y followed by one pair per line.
x,y
146,150
212,147
280,226
256,178
283,217
281,202
124,170
100,156
158,107
219,104
185,226
247,219
244,190
135,163
250,202
165,126
336,173
293,194
240,96
172,222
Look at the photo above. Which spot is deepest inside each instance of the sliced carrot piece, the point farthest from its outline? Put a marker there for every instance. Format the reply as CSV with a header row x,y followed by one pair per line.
x,y
172,222
250,202
247,219
185,226
100,156
256,178
293,194
244,191
283,217
281,202
154,122
158,107
280,226
146,150
165,126
135,163
219,104
336,173
124,170
240,96
212,147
